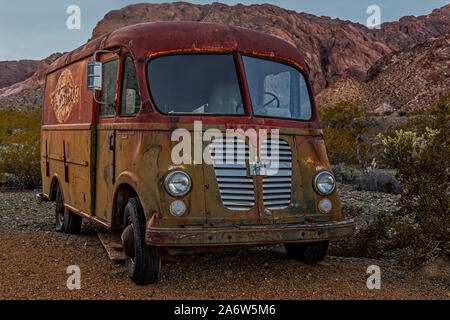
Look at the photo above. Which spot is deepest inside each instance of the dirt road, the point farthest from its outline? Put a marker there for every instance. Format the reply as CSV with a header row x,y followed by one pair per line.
x,y
34,259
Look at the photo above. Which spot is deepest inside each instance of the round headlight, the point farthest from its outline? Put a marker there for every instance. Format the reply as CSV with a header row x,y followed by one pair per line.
x,y
324,183
177,208
325,205
178,183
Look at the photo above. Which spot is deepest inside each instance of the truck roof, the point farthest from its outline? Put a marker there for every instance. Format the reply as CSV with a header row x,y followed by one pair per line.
x,y
151,38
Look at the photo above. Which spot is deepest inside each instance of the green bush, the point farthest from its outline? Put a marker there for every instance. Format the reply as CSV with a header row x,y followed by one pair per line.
x,y
20,148
421,158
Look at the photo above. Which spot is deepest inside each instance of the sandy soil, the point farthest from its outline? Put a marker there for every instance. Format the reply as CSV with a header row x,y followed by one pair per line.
x,y
34,260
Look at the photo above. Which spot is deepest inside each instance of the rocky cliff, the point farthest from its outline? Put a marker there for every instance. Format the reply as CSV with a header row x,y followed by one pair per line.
x,y
407,80
16,71
27,93
334,49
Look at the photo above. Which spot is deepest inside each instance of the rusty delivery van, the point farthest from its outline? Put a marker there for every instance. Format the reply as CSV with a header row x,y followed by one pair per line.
x,y
165,134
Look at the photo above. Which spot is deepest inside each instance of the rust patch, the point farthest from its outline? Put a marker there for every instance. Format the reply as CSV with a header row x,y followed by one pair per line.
x,y
65,96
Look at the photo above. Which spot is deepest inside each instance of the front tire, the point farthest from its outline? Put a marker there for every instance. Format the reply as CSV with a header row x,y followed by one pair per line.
x,y
66,220
309,253
143,263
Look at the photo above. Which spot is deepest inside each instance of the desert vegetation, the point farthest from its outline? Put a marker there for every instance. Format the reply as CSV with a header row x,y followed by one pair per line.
x,y
20,148
414,158
410,158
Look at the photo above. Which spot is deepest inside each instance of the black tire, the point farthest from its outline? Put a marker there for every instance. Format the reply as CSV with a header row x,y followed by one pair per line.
x,y
309,253
145,266
65,220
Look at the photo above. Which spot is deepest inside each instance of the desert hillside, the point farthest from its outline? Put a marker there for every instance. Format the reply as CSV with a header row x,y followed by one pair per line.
x,y
331,47
407,80
16,71
338,52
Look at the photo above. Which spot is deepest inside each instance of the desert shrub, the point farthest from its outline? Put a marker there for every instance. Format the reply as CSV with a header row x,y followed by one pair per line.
x,y
367,180
20,148
422,163
373,237
346,134
377,181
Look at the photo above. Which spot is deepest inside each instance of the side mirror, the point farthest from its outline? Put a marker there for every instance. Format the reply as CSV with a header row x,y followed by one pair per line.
x,y
94,76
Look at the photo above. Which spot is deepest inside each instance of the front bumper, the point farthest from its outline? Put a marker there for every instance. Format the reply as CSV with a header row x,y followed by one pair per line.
x,y
250,235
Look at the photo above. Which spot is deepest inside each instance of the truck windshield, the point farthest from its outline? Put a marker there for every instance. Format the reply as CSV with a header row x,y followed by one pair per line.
x,y
195,84
277,90
208,84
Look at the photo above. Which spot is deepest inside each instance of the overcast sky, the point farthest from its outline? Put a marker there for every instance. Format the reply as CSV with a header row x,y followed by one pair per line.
x,y
31,29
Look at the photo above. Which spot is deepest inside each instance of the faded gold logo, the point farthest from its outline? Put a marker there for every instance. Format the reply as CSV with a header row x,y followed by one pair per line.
x,y
65,96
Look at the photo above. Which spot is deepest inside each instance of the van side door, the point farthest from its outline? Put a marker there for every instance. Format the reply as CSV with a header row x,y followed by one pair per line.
x,y
106,139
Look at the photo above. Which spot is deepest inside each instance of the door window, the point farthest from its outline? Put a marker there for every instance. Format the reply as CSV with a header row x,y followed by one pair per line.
x,y
131,97
110,70
277,89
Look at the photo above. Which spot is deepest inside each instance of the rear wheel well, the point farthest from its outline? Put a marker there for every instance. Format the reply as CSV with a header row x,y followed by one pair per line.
x,y
54,189
123,194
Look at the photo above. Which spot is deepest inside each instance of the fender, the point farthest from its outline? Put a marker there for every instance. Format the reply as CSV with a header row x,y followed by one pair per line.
x,y
149,198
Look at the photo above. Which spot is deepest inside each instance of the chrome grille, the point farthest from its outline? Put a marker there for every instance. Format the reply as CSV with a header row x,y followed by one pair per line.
x,y
277,183
229,157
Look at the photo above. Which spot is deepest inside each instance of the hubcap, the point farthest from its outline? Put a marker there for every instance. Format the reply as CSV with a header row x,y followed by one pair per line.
x,y
128,241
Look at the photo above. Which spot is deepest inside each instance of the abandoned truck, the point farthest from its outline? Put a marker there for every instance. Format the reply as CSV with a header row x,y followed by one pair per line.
x,y
180,137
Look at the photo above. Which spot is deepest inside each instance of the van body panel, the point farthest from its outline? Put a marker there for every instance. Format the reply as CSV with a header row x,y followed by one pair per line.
x,y
67,136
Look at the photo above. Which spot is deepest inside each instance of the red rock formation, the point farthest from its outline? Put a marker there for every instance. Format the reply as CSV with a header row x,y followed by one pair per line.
x,y
27,93
16,71
331,47
407,80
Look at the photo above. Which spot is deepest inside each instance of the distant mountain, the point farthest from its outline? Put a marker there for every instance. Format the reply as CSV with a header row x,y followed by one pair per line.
x,y
403,81
15,71
331,47
27,93
334,49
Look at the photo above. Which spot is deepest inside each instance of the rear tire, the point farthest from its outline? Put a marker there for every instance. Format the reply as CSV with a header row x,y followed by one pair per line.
x,y
145,266
309,253
66,220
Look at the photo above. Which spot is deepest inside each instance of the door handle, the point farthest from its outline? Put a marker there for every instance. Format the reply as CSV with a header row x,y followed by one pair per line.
x,y
111,142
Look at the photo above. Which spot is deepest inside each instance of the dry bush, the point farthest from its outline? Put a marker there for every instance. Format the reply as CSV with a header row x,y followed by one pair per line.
x,y
368,180
421,227
20,148
347,134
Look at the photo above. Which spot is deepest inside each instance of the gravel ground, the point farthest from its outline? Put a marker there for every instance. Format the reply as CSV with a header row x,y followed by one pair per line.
x,y
34,258
368,202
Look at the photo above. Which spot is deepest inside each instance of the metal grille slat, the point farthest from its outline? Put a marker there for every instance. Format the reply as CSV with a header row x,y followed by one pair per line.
x,y
226,186
277,190
269,203
234,196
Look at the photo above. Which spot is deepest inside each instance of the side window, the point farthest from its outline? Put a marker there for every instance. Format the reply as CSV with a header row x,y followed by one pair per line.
x,y
110,70
131,97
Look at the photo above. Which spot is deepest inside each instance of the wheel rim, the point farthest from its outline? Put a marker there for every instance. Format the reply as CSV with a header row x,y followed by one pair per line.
x,y
60,210
61,217
128,244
